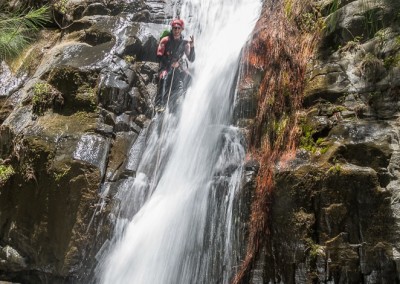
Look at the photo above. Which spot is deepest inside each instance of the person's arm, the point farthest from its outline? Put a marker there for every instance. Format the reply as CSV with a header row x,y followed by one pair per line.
x,y
189,50
161,51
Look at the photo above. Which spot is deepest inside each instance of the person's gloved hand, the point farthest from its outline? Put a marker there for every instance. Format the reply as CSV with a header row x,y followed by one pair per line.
x,y
163,74
191,41
175,64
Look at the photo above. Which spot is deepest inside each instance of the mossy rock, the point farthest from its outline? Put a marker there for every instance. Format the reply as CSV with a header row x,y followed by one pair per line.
x,y
55,125
69,79
6,172
79,88
45,97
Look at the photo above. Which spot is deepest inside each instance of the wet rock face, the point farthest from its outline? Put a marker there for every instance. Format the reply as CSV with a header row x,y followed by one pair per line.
x,y
93,92
335,209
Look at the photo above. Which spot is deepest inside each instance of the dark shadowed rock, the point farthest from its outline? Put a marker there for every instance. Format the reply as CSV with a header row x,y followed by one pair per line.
x,y
96,9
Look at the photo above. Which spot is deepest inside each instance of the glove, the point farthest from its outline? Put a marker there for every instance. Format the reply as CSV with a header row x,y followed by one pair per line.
x,y
175,64
163,74
191,41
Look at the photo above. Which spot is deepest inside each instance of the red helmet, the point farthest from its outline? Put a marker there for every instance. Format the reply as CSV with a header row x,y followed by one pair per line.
x,y
178,23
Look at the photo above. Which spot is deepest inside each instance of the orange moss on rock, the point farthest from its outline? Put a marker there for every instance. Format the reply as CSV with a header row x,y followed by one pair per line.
x,y
278,54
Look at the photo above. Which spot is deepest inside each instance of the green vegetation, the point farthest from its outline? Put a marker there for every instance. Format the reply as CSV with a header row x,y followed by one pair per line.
x,y
41,95
280,126
17,29
288,8
314,250
44,97
129,58
336,169
391,61
5,173
397,40
333,15
351,45
87,96
61,6
307,141
381,35
61,173
372,22
310,22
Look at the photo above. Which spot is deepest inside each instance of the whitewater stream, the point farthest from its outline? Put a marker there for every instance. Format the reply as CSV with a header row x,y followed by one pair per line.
x,y
174,220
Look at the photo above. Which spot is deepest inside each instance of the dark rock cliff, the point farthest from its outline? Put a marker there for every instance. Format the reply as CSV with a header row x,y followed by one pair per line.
x,y
334,209
70,109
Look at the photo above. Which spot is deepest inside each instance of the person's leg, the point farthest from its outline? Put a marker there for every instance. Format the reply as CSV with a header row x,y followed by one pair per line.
x,y
187,81
159,100
177,89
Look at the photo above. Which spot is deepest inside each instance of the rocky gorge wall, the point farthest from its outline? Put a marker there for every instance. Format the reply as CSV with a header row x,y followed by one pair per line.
x,y
70,109
334,207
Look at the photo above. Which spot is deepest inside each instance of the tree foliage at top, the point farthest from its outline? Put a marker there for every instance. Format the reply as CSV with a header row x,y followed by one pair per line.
x,y
18,28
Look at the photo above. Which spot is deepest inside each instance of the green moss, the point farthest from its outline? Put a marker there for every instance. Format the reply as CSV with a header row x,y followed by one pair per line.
x,y
77,86
288,5
351,45
129,58
61,172
336,169
280,126
45,97
391,61
320,141
68,79
397,41
61,6
82,115
338,109
87,97
314,250
35,153
306,140
309,22
41,97
5,173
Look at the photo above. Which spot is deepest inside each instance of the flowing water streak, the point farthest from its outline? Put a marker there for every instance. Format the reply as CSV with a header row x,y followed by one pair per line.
x,y
167,239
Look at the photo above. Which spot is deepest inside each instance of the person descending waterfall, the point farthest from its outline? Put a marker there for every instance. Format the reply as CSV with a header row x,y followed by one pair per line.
x,y
174,76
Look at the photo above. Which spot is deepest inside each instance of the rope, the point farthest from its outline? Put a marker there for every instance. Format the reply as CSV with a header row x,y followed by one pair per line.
x,y
170,88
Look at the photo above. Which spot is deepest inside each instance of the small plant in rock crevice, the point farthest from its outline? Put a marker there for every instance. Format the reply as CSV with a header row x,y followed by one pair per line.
x,y
129,58
351,45
5,173
61,6
45,97
61,172
335,169
391,61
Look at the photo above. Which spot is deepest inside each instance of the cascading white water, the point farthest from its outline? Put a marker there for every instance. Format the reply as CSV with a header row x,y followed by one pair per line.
x,y
186,214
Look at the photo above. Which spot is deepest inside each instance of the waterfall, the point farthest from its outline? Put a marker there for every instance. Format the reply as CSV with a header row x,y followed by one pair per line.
x,y
173,221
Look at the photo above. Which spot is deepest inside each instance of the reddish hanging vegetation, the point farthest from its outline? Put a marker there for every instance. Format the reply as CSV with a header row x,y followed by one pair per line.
x,y
282,45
